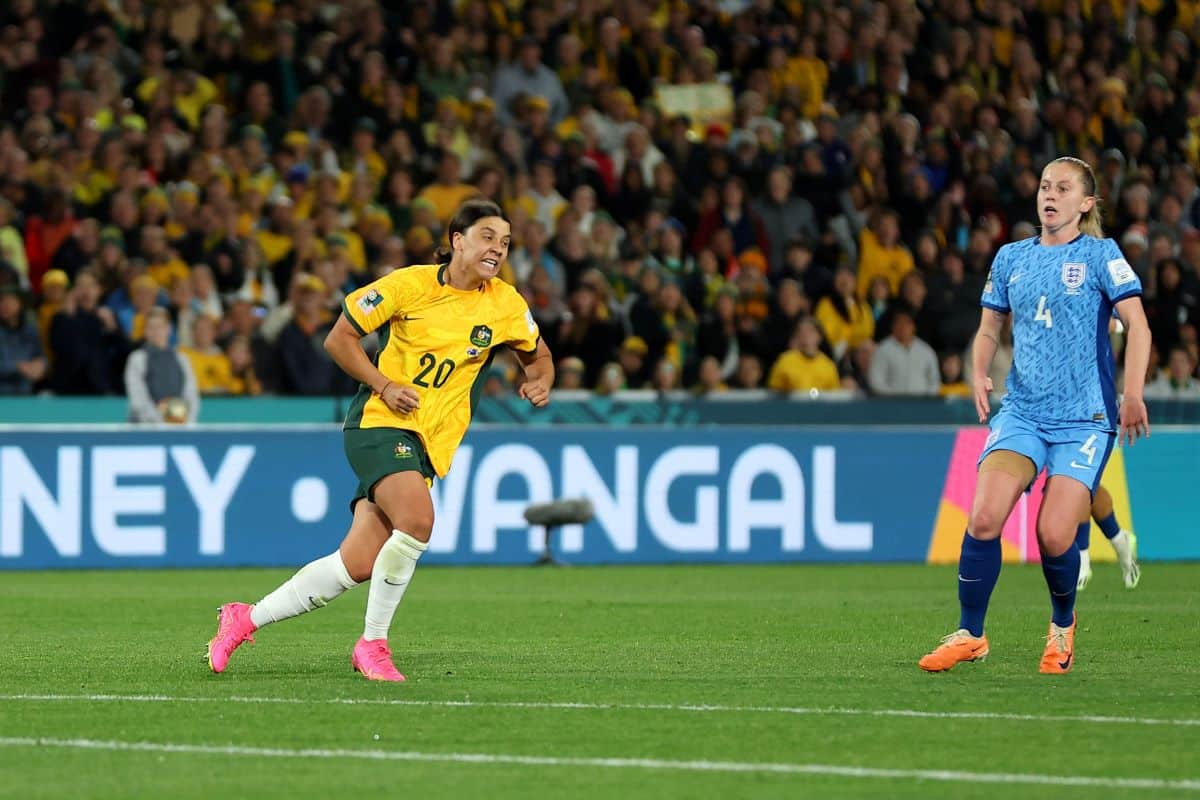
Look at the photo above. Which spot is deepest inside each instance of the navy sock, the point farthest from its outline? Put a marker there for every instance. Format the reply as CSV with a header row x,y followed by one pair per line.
x,y
978,569
1062,573
1109,525
1083,536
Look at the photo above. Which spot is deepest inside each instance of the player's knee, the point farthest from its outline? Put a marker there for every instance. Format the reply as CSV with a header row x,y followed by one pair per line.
x,y
1055,537
416,523
984,524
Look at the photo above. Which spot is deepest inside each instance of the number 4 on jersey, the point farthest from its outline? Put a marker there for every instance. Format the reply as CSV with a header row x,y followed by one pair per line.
x,y
1043,313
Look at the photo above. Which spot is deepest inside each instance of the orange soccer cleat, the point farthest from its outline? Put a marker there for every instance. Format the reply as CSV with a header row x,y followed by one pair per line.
x,y
955,648
1059,655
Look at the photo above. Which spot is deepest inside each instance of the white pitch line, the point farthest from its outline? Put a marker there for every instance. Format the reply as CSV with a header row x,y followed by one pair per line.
x,y
830,711
838,770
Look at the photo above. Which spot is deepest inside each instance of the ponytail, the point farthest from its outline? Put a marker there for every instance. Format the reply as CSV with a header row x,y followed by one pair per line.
x,y
1089,221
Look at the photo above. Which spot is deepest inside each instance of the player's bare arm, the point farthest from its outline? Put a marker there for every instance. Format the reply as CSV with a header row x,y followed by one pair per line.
x,y
987,340
1135,421
345,348
539,375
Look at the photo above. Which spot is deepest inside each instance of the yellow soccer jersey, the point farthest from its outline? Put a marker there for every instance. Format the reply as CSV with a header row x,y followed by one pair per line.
x,y
438,340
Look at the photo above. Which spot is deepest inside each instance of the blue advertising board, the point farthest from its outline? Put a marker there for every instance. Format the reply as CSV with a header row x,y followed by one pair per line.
x,y
117,497
106,498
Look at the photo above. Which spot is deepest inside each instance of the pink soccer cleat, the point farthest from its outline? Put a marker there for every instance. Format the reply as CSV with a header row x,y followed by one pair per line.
x,y
233,627
373,659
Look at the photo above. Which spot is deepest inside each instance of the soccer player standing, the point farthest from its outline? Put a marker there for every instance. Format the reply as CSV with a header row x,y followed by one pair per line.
x,y
1060,412
439,327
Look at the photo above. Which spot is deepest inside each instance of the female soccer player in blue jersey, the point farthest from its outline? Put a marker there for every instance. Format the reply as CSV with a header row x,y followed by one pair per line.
x,y
1060,412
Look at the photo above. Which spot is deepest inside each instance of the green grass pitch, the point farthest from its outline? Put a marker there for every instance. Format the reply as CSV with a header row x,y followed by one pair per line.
x,y
697,681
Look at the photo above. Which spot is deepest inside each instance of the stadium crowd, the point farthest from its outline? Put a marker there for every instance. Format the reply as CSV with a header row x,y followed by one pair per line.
x,y
824,220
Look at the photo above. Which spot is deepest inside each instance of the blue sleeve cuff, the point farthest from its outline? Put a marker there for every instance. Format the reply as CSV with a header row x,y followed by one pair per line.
x,y
994,307
1132,293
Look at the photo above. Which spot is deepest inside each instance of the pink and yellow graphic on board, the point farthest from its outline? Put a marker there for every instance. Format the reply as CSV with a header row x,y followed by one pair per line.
x,y
1019,538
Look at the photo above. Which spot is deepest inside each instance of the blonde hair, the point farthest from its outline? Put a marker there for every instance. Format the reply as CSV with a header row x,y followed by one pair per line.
x,y
1089,221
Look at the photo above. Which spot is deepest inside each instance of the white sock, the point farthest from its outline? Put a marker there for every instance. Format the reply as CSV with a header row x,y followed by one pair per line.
x,y
1085,559
390,576
316,584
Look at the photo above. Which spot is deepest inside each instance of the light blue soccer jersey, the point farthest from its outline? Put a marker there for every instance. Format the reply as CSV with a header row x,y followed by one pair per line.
x,y
1061,298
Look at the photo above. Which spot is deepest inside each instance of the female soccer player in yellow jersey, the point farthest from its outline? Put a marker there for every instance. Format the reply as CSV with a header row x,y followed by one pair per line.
x,y
439,326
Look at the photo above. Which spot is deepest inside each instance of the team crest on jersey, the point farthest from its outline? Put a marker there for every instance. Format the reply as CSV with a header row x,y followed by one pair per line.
x,y
403,450
369,300
481,336
1073,273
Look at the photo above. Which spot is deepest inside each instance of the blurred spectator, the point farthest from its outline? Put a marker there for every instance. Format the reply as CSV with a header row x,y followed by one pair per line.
x,y
666,376
1174,304
789,307
710,379
845,320
611,380
881,252
45,233
903,364
953,384
88,345
1179,380
803,366
587,332
304,366
210,365
784,216
55,287
447,192
569,374
856,367
143,298
816,280
22,364
749,373
912,299
531,254
12,245
159,380
243,375
734,215
716,336
635,363
528,77
953,299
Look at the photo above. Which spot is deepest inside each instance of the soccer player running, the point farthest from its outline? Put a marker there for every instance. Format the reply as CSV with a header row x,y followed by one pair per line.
x,y
1060,412
1122,541
439,326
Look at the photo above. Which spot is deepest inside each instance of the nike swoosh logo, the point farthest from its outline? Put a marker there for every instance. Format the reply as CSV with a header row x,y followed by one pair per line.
x,y
969,580
411,319
1067,663
389,583
1081,466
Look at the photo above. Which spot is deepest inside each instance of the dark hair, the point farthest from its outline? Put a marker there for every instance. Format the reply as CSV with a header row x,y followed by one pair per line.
x,y
468,214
